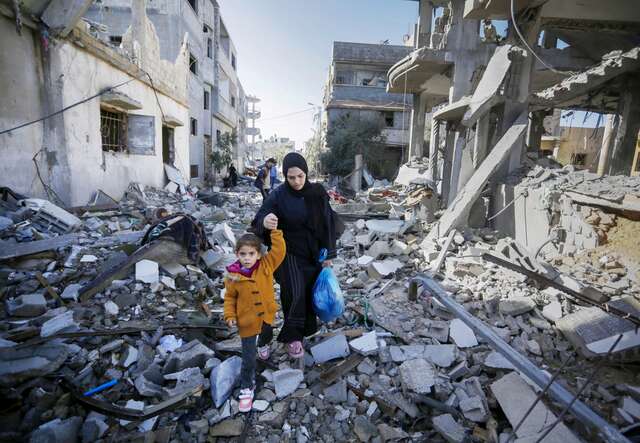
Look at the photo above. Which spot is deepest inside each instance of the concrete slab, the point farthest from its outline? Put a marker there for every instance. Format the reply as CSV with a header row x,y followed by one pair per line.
x,y
365,345
147,271
330,349
286,381
418,375
462,335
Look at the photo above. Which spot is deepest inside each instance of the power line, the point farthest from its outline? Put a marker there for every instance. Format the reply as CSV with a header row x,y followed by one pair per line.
x,y
66,108
287,115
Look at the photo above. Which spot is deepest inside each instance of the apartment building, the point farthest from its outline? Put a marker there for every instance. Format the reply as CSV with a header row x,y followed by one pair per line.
x,y
357,85
214,89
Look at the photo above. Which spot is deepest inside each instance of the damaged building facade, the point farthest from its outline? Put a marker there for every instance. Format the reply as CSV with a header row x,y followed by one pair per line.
x,y
118,114
216,98
488,99
356,86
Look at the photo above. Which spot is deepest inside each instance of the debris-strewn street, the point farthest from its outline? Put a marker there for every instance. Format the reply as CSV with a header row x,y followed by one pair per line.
x,y
333,221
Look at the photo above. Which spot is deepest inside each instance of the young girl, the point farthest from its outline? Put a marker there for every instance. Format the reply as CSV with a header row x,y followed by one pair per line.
x,y
249,303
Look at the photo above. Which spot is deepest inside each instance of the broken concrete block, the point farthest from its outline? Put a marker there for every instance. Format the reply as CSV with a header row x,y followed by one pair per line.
x,y
17,365
515,397
378,249
380,269
336,393
186,380
367,366
88,258
174,269
365,260
496,360
169,343
260,405
27,305
57,431
449,428
631,406
223,233
129,356
332,348
228,428
94,427
441,355
224,378
110,308
60,323
400,248
211,258
418,375
461,334
71,292
193,354
286,381
147,271
387,433
384,226
552,311
367,344
147,387
516,305
168,282
474,409
364,429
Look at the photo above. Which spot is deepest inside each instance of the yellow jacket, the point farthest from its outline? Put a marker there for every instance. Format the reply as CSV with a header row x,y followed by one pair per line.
x,y
251,300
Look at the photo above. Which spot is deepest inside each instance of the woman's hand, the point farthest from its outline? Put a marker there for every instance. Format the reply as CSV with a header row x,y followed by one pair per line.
x,y
327,264
270,221
231,322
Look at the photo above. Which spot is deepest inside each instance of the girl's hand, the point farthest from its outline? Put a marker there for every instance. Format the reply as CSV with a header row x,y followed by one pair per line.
x,y
231,322
270,221
327,264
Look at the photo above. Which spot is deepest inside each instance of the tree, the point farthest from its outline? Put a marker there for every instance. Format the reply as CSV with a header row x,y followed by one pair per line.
x,y
221,156
350,135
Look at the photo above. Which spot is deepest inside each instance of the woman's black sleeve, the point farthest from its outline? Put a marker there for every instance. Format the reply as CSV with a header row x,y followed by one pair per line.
x,y
330,241
268,206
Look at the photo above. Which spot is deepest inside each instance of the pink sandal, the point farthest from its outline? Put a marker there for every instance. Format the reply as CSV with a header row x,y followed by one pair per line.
x,y
264,352
245,402
295,349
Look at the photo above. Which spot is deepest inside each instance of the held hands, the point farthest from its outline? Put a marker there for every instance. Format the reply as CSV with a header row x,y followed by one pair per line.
x,y
270,221
327,264
231,322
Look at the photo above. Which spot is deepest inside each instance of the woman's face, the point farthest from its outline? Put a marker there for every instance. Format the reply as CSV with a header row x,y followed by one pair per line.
x,y
296,178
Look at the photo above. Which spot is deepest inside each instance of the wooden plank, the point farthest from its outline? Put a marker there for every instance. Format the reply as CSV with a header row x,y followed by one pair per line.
x,y
45,283
332,375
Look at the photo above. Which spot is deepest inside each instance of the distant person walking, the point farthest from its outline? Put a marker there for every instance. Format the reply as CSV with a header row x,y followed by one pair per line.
x,y
302,212
263,180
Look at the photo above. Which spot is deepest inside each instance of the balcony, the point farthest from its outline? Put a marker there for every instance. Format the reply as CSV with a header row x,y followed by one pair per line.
x,y
253,131
254,114
396,137
366,97
223,109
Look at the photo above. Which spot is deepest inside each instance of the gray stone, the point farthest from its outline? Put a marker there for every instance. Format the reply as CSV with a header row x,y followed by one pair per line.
x,y
332,348
448,428
260,405
367,367
516,305
224,378
462,335
199,427
57,431
227,428
441,355
364,429
552,311
387,433
27,305
111,309
190,355
125,300
418,375
186,380
146,387
60,323
94,427
147,271
365,345
496,360
474,409
336,393
286,381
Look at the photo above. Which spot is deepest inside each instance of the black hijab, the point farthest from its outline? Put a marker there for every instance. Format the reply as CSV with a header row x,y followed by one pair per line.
x,y
314,195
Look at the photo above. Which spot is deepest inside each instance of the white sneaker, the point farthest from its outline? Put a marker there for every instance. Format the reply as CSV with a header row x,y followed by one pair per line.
x,y
245,400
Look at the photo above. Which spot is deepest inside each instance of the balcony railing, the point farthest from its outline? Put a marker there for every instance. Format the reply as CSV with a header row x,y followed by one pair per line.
x,y
224,108
368,94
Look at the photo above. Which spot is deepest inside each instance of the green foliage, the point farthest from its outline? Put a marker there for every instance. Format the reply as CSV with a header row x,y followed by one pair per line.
x,y
221,156
350,135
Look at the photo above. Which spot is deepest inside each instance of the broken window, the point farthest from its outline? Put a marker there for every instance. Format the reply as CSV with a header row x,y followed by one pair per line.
x,y
193,4
546,152
233,101
388,119
113,130
206,99
141,134
233,61
579,159
194,171
209,48
193,64
115,40
194,126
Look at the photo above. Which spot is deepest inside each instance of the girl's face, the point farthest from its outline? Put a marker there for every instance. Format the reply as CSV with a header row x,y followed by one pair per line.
x,y
247,256
296,178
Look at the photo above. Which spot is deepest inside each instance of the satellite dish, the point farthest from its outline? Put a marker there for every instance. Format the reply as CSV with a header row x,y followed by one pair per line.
x,y
406,38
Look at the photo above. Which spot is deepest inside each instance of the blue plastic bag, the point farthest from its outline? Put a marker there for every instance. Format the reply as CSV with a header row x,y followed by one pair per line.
x,y
328,302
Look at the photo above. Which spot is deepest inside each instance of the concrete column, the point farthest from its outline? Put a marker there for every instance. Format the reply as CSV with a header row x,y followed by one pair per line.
x,y
434,144
610,127
481,140
456,164
535,131
356,177
416,135
424,25
624,145
447,163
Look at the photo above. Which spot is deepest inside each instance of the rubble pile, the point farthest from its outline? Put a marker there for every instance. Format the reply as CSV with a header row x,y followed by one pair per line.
x,y
103,336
